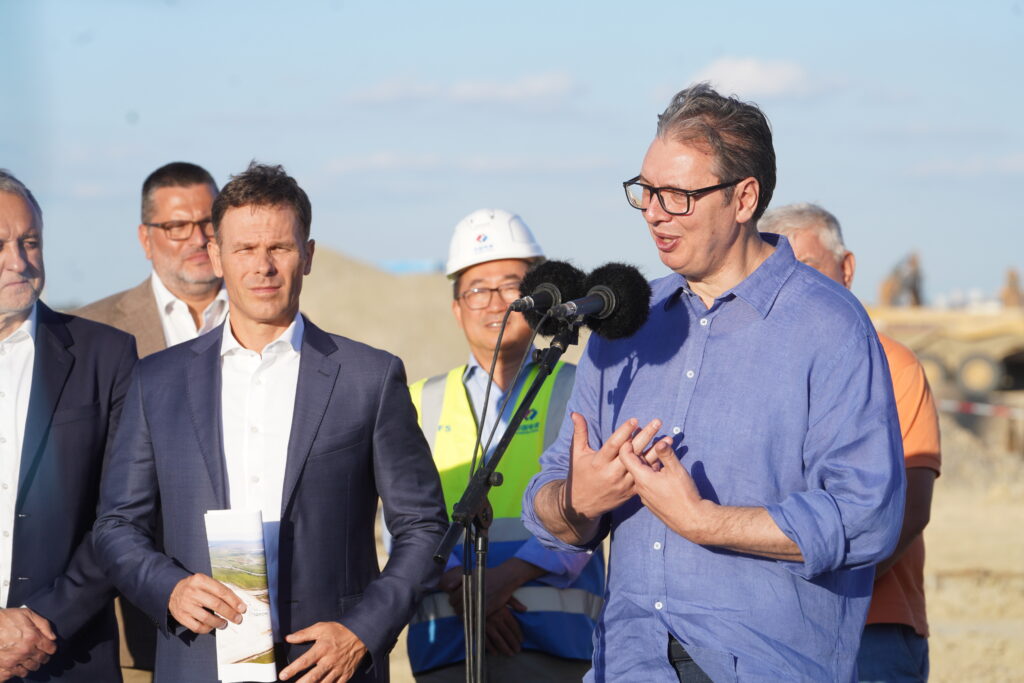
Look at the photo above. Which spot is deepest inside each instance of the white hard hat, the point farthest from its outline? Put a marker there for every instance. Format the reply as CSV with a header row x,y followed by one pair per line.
x,y
489,235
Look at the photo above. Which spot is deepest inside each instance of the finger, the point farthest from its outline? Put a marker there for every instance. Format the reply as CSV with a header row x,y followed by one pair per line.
x,y
512,634
214,603
513,603
228,604
304,662
634,467
644,436
620,436
46,646
496,637
42,624
206,620
580,436
304,635
666,455
314,675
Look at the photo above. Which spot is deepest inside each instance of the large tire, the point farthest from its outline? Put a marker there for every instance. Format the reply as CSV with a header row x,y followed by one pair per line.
x,y
979,375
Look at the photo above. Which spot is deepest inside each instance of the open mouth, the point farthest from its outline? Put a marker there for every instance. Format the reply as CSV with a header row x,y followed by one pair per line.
x,y
665,242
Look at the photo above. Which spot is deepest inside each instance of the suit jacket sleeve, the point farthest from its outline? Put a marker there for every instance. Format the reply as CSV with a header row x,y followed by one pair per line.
x,y
410,491
129,505
84,589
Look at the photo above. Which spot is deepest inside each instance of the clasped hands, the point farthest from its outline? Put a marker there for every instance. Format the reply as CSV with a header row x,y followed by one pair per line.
x,y
628,465
26,642
202,604
503,632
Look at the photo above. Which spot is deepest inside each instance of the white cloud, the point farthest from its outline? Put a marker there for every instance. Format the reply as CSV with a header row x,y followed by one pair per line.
x,y
1009,164
530,90
748,77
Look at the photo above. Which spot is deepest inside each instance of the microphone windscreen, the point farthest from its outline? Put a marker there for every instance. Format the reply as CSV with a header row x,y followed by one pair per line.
x,y
567,278
632,300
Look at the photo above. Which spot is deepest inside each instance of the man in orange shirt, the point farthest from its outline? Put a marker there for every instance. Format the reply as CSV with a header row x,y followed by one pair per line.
x,y
895,642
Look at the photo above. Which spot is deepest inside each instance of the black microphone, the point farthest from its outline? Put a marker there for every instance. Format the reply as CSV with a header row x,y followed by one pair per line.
x,y
616,305
549,283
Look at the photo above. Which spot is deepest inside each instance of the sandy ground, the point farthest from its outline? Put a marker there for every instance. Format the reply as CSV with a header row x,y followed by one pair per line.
x,y
974,570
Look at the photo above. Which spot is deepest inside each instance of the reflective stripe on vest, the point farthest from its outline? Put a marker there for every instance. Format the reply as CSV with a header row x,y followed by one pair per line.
x,y
535,598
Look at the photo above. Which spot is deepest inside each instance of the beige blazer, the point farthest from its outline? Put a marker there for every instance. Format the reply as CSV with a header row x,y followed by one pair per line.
x,y
134,311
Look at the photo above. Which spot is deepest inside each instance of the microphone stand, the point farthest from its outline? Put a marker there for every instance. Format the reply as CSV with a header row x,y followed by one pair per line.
x,y
472,515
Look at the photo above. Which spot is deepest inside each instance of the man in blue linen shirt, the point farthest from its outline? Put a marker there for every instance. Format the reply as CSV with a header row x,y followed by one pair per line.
x,y
742,448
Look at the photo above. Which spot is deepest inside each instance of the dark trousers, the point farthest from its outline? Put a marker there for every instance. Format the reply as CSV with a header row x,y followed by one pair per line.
x,y
686,669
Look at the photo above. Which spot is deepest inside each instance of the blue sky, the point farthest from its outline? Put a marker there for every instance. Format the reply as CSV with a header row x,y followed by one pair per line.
x,y
400,118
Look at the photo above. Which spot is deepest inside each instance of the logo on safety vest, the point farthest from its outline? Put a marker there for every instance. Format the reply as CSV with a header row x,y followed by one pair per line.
x,y
530,424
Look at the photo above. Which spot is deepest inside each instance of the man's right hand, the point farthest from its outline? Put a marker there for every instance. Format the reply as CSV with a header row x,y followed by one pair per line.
x,y
598,481
26,642
199,602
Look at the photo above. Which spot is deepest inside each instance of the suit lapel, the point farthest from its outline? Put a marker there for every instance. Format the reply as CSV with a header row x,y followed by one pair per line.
x,y
50,369
318,372
203,387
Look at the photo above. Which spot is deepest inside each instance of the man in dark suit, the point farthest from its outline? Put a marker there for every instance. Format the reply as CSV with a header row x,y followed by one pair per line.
x,y
62,386
182,298
270,413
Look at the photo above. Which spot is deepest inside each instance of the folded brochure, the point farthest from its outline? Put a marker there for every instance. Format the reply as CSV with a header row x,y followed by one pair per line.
x,y
245,652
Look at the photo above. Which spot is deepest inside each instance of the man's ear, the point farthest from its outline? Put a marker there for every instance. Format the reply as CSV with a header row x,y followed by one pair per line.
x,y
213,249
144,240
849,266
747,192
310,248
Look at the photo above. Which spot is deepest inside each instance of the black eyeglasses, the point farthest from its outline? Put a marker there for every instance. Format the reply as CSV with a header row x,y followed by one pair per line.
x,y
480,297
182,230
673,200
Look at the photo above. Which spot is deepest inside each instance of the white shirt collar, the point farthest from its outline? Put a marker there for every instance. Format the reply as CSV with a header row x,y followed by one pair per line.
x,y
166,301
26,330
290,339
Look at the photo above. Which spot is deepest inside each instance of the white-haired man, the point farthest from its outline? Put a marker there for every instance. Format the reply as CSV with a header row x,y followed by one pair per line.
x,y
895,642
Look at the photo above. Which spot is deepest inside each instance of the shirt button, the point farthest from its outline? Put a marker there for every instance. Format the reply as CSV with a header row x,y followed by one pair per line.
x,y
258,382
676,430
254,429
3,395
4,486
7,534
657,545
689,374
658,605
703,322
6,582
254,480
3,439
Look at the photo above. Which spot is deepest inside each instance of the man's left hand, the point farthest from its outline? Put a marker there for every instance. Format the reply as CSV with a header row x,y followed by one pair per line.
x,y
666,488
334,656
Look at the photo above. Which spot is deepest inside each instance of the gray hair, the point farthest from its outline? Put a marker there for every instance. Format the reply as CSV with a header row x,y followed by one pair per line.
x,y
738,134
11,185
791,218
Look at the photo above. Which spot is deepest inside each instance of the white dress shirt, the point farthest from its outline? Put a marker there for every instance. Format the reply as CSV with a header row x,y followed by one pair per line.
x,y
177,321
17,353
257,402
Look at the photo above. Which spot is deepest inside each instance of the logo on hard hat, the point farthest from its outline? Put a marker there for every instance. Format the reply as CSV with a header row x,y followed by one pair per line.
x,y
482,237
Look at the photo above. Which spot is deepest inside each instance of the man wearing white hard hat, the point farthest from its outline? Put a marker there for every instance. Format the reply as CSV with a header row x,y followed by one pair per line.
x,y
542,605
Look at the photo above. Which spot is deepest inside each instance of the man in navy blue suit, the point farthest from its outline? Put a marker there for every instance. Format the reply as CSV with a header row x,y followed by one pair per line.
x,y
62,385
270,413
